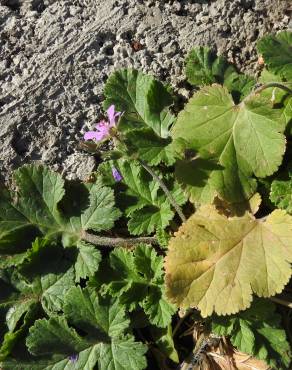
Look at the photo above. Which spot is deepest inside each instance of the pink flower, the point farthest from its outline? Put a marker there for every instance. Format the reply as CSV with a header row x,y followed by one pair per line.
x,y
103,127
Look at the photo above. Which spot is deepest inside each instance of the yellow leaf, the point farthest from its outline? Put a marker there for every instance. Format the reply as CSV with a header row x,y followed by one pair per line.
x,y
215,263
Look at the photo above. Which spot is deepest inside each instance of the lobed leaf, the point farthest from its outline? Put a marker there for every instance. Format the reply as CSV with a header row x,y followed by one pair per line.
x,y
146,206
36,210
258,332
151,148
143,100
137,279
204,67
108,347
277,53
245,139
215,262
87,262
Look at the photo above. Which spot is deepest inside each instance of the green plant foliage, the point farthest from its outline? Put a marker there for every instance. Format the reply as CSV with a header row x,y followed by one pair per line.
x,y
257,331
281,192
277,53
144,101
146,206
187,217
137,279
36,208
107,345
152,148
244,139
204,67
87,262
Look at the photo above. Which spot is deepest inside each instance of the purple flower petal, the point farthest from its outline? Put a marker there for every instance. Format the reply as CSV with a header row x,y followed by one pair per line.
x,y
112,115
93,135
116,175
73,358
102,131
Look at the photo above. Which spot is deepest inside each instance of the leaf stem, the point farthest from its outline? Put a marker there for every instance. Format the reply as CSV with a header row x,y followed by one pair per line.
x,y
105,241
281,301
272,84
181,320
164,188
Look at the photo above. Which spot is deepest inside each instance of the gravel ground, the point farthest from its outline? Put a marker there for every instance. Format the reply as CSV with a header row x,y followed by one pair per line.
x,y
55,56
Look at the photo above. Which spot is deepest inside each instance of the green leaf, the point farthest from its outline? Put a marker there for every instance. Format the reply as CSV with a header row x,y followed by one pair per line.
x,y
107,345
245,139
45,279
101,214
239,85
281,193
277,53
147,207
274,94
40,194
16,231
203,67
18,319
244,338
148,262
54,336
156,307
163,237
143,100
40,191
147,219
203,178
137,279
87,262
164,340
258,332
54,287
216,262
124,280
151,148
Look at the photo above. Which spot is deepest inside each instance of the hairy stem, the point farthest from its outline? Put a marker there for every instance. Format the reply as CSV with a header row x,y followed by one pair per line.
x,y
105,241
272,84
164,188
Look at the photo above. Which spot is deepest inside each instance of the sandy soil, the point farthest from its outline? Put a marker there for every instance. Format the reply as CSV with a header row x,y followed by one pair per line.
x,y
56,55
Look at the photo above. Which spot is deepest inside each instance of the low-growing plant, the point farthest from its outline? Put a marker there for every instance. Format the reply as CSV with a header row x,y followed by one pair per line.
x,y
176,253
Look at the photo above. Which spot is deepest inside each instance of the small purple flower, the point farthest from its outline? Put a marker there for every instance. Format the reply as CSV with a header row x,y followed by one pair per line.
x,y
116,175
103,127
73,358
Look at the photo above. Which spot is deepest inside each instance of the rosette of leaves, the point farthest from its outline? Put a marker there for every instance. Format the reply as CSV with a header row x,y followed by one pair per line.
x,y
137,279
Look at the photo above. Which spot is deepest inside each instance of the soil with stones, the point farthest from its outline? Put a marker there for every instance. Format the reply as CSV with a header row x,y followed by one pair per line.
x,y
55,56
